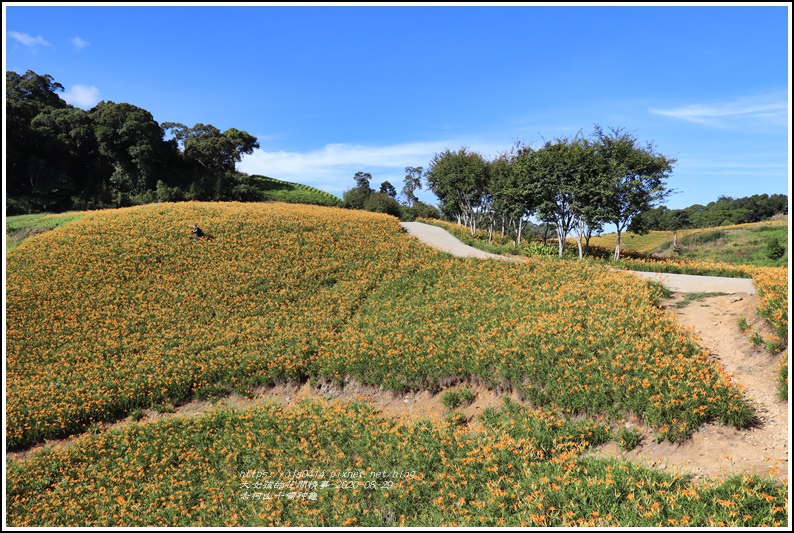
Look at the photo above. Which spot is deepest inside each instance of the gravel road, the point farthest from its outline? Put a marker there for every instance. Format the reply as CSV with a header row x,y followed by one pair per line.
x,y
443,240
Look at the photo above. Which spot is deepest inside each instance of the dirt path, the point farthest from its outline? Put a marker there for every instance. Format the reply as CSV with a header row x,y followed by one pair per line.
x,y
717,450
714,450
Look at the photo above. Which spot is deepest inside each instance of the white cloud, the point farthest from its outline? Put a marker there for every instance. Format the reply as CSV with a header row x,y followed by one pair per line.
x,y
79,43
82,96
332,167
28,40
762,110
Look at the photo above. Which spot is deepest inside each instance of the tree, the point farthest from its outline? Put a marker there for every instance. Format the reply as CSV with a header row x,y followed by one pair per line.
x,y
71,151
554,175
379,202
356,197
131,143
211,157
632,177
31,176
459,180
214,151
362,180
388,189
413,181
513,202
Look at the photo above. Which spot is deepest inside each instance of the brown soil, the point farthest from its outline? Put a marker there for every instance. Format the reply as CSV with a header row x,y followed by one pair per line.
x,y
713,451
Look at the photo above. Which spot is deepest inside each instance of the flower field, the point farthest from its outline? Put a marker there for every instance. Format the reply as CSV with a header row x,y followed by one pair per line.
x,y
332,464
123,310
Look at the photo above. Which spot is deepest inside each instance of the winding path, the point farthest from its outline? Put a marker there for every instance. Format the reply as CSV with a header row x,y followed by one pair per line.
x,y
714,450
443,240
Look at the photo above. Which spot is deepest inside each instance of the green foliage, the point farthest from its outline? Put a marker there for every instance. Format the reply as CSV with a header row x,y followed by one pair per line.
x,y
457,397
724,211
355,198
756,339
743,324
63,158
774,250
456,419
272,189
467,396
628,439
163,408
378,202
702,238
696,297
538,249
419,210
21,227
774,346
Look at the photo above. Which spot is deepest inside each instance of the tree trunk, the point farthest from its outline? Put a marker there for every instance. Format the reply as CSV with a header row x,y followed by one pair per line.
x,y
518,232
617,247
560,240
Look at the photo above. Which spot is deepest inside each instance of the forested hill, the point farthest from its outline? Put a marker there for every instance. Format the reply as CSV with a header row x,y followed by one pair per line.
x,y
725,211
63,158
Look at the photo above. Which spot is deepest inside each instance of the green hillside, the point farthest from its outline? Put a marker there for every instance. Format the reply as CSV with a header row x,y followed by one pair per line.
x,y
284,191
759,243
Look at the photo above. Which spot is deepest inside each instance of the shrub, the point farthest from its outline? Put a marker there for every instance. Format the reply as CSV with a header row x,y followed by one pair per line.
x,y
451,399
628,439
774,250
163,408
379,202
703,238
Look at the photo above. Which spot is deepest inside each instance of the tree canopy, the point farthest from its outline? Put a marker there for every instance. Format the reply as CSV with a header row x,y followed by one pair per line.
x,y
60,157
570,182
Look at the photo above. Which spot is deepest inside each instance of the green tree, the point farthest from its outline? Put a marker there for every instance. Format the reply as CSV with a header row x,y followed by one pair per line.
x,y
513,202
459,180
356,197
553,175
72,153
31,177
362,180
632,177
211,157
388,189
379,202
412,182
131,142
214,151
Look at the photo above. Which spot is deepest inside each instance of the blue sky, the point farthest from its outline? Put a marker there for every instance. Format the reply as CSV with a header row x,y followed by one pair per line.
x,y
332,90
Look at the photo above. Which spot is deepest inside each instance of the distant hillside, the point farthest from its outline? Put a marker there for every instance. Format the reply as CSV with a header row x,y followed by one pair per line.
x,y
724,211
760,243
296,193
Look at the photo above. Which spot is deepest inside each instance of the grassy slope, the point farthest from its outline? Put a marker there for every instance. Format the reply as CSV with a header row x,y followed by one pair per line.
x,y
740,244
283,191
121,309
20,227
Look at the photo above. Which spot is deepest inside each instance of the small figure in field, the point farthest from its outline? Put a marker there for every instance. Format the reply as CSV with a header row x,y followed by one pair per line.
x,y
197,233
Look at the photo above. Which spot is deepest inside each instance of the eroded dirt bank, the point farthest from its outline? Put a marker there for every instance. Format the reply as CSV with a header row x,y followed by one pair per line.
x,y
717,450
